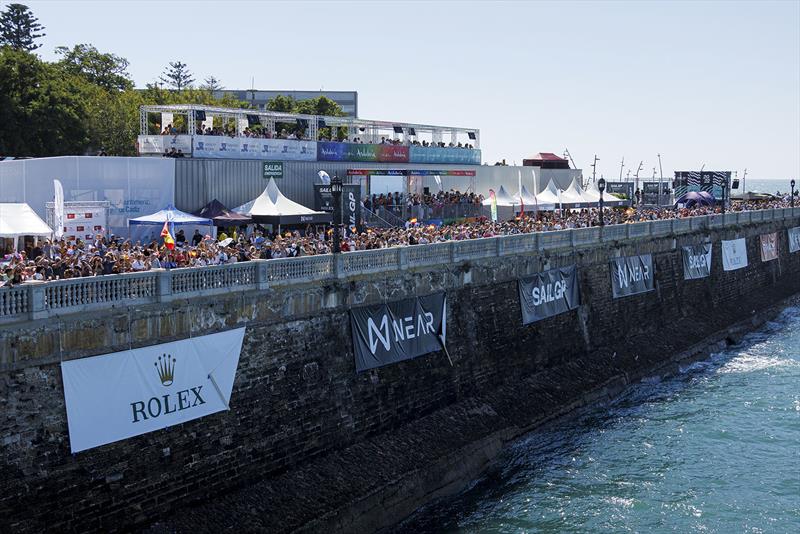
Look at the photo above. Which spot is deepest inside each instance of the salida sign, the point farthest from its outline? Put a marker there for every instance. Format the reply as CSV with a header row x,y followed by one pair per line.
x,y
123,394
397,331
272,169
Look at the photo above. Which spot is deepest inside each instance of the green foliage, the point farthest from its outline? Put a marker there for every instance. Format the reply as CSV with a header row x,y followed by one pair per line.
x,y
108,71
322,105
212,84
18,28
177,76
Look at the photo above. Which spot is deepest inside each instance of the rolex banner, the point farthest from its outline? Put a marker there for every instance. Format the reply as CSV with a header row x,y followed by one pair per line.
x,y
549,293
397,331
631,275
123,394
696,261
734,254
769,246
794,239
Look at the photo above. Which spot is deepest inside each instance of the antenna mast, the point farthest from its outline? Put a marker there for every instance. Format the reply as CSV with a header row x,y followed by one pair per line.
x,y
621,165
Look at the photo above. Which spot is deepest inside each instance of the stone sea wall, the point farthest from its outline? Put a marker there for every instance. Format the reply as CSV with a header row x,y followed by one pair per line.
x,y
309,444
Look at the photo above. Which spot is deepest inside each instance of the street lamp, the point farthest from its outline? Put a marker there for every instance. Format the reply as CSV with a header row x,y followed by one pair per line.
x,y
601,186
724,187
791,196
336,192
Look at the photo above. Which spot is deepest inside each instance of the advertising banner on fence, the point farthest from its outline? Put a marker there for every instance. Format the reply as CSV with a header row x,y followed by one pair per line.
x,y
158,144
631,275
696,261
397,331
794,239
424,154
549,293
331,151
213,146
123,394
734,254
769,246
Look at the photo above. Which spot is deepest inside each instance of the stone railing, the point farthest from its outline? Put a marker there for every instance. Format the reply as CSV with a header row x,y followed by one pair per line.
x,y
37,300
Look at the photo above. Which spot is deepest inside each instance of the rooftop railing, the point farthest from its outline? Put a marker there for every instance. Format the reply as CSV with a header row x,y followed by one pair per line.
x,y
39,300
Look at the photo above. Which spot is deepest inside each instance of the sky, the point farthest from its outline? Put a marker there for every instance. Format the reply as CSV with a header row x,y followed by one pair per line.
x,y
714,83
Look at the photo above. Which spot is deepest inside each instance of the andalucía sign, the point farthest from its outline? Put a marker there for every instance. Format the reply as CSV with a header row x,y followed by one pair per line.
x,y
123,394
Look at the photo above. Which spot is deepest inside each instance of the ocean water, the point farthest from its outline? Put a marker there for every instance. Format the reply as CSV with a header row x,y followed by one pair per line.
x,y
715,448
759,185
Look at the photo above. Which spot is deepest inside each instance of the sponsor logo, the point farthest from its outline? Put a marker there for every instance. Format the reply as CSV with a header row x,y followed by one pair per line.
x,y
306,218
626,274
548,292
698,262
352,205
161,405
403,329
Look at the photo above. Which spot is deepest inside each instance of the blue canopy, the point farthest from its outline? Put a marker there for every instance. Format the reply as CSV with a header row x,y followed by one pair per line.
x,y
171,215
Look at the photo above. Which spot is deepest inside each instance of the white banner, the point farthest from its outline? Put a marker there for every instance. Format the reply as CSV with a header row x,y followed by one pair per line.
x,y
158,144
58,210
734,254
794,239
123,394
213,146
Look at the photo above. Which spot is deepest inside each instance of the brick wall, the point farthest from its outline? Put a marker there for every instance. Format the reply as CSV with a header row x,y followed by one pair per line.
x,y
297,396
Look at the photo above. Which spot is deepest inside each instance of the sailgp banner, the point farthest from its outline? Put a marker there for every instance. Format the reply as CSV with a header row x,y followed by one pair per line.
x,y
549,293
769,246
218,146
397,331
794,239
734,254
631,275
123,394
696,261
424,154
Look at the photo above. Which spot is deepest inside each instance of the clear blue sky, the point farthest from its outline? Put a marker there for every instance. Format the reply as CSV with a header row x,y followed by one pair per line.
x,y
700,82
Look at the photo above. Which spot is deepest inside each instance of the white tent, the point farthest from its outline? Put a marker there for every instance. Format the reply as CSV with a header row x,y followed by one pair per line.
x,y
272,207
573,195
549,195
17,220
503,199
592,193
533,203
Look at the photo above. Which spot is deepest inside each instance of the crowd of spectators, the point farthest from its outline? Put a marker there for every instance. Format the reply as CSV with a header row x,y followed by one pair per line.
x,y
54,260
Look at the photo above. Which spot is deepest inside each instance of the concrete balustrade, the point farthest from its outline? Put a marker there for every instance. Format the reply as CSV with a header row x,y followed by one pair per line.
x,y
38,300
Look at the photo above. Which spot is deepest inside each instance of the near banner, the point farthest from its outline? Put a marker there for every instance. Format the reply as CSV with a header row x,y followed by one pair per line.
x,y
794,239
734,254
397,331
631,275
769,246
696,261
549,293
124,394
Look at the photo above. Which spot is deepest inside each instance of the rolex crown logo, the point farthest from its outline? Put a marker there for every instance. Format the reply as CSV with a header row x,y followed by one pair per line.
x,y
166,369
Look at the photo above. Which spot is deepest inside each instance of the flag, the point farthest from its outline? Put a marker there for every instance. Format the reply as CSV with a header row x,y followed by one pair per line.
x,y
58,210
168,241
494,204
519,188
326,179
438,181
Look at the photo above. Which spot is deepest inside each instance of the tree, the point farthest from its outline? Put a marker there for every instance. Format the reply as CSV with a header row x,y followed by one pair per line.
x,y
212,84
18,28
106,70
282,103
177,76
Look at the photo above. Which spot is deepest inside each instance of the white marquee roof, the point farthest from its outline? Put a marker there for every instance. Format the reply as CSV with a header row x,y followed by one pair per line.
x,y
19,220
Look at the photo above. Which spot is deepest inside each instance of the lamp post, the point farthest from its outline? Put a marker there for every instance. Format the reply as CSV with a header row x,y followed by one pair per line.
x,y
724,187
336,192
601,186
791,196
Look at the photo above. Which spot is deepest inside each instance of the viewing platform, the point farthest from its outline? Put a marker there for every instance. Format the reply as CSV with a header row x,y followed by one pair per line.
x,y
229,133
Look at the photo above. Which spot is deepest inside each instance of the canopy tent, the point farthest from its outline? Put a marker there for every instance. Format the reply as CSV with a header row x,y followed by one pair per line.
x,y
573,196
17,220
272,207
222,216
171,215
592,194
532,202
549,195
503,199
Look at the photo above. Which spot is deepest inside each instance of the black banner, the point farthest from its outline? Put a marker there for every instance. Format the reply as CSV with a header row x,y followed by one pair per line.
x,y
631,275
549,293
351,204
696,261
621,190
397,331
650,193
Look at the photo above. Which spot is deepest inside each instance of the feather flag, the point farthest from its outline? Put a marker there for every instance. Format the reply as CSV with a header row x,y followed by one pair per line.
x,y
169,242
494,204
58,210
